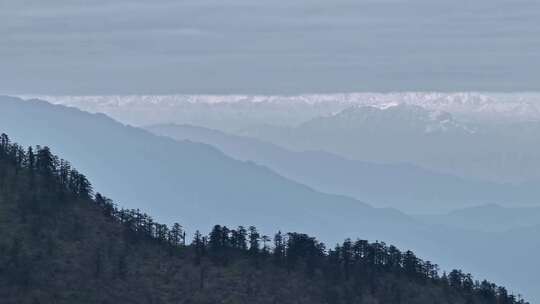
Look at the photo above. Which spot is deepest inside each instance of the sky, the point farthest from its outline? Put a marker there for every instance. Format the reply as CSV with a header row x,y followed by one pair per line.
x,y
267,47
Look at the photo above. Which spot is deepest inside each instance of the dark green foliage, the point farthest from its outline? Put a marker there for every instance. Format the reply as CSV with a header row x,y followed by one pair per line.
x,y
60,243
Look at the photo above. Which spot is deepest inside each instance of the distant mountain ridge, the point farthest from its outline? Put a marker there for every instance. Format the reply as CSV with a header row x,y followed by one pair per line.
x,y
505,152
497,145
489,217
403,186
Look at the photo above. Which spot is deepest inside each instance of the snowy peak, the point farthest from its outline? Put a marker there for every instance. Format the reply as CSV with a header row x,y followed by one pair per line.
x,y
398,115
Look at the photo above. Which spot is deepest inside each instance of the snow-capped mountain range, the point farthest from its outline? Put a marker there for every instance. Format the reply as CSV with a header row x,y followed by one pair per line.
x,y
295,109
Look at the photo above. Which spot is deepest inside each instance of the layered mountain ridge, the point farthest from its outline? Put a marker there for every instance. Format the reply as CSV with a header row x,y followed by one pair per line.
x,y
183,177
62,244
399,185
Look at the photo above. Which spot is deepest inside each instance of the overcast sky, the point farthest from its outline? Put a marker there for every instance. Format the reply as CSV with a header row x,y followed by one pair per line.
x,y
260,46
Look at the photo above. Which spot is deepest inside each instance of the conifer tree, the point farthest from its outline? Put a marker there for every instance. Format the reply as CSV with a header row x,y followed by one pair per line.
x,y
254,238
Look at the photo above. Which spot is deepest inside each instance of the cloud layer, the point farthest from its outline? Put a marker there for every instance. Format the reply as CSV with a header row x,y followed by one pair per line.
x,y
235,46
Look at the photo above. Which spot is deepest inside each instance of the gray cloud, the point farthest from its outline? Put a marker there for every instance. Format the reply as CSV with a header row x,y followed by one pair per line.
x,y
210,46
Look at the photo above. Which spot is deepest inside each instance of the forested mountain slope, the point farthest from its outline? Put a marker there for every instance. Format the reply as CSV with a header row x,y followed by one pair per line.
x,y
60,243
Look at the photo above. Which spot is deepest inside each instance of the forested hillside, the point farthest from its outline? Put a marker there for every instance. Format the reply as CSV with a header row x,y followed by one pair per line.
x,y
61,243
